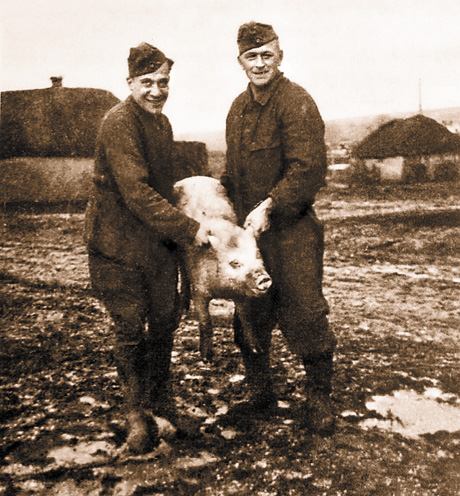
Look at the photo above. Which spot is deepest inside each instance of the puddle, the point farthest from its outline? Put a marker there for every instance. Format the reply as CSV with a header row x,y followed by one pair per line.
x,y
412,414
83,453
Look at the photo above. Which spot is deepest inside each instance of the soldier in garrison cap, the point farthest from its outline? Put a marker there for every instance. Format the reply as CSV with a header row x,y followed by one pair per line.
x,y
275,166
132,232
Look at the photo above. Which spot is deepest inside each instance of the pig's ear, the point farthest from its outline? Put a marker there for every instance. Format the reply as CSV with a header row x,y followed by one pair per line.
x,y
213,240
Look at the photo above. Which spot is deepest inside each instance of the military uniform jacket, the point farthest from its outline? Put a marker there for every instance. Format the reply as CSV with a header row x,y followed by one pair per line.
x,y
130,216
275,147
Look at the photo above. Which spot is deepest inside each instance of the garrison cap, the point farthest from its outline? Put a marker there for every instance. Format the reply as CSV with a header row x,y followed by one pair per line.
x,y
145,58
254,35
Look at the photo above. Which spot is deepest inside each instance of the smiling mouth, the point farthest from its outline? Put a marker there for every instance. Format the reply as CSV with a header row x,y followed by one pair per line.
x,y
156,101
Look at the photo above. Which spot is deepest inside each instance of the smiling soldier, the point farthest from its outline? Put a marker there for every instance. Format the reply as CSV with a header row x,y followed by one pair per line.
x,y
276,164
132,230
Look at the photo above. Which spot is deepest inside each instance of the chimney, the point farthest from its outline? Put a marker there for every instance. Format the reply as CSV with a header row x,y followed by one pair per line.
x,y
56,81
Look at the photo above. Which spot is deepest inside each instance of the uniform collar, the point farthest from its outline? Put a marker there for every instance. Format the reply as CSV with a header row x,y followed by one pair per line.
x,y
140,111
264,94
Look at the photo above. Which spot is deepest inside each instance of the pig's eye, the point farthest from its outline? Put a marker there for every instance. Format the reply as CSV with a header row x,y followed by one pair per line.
x,y
235,264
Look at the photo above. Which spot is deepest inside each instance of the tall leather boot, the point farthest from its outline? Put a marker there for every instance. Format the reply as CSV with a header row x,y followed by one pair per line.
x,y
142,430
262,395
257,367
156,374
318,411
158,394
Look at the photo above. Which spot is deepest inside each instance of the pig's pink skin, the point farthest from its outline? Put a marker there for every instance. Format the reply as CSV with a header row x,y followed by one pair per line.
x,y
231,267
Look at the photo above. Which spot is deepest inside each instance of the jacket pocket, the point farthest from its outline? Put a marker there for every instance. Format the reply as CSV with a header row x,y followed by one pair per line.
x,y
265,142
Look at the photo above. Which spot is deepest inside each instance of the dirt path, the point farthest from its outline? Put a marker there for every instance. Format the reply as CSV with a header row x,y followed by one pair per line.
x,y
392,278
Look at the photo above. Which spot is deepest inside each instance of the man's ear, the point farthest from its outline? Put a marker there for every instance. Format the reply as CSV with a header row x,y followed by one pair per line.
x,y
129,81
281,55
239,62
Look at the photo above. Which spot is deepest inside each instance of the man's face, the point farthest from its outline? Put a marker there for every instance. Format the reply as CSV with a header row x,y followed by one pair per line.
x,y
150,91
261,64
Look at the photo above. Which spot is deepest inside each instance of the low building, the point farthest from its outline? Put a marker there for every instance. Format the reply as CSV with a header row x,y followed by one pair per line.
x,y
52,122
414,149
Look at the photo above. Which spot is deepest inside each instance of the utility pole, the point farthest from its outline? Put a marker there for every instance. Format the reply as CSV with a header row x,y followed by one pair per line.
x,y
420,111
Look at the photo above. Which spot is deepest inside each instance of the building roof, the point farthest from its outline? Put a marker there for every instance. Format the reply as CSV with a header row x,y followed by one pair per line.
x,y
52,122
415,136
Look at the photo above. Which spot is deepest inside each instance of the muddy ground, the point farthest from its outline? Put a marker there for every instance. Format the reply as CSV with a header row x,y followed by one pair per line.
x,y
392,277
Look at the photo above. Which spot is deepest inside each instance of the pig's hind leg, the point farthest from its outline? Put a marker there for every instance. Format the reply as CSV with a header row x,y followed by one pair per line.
x,y
205,327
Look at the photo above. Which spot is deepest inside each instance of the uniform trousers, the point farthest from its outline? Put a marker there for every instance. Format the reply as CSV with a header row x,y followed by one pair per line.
x,y
143,303
293,255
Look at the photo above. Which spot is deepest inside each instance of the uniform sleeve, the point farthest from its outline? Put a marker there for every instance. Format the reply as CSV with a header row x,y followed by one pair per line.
x,y
302,137
123,148
227,178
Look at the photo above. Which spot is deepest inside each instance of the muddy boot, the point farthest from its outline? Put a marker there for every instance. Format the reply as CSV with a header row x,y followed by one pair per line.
x,y
261,396
141,431
156,370
317,414
187,426
158,395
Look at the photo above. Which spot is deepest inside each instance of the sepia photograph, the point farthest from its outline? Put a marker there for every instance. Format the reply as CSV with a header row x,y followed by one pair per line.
x,y
229,247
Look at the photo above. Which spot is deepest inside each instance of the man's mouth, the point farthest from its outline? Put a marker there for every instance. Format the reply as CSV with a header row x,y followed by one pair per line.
x,y
155,101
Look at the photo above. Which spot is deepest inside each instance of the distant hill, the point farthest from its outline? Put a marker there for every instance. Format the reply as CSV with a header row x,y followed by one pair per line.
x,y
351,130
215,140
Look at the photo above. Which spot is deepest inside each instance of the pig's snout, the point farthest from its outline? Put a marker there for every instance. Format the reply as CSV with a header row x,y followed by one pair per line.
x,y
258,283
263,283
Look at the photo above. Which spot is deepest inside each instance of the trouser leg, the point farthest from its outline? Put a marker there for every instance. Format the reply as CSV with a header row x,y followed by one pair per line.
x,y
258,313
319,372
129,359
164,315
295,258
158,394
158,348
318,409
122,291
318,361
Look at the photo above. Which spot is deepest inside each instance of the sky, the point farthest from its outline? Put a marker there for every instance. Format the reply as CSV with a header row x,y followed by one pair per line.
x,y
355,57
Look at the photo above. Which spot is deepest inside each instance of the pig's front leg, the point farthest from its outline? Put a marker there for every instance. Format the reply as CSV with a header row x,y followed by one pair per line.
x,y
205,327
247,337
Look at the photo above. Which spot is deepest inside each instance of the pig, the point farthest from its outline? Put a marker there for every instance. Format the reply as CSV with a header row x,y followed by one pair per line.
x,y
230,267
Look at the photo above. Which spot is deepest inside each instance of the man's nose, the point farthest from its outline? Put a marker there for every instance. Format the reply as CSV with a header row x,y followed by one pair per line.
x,y
260,61
155,90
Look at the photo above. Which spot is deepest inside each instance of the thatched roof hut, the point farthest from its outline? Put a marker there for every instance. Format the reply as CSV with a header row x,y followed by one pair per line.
x,y
52,122
413,137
